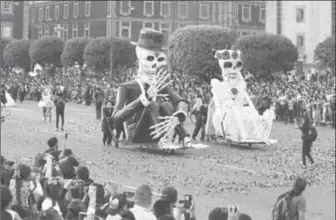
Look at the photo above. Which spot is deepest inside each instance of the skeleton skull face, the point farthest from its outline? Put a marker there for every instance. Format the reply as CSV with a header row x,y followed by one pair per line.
x,y
230,62
149,61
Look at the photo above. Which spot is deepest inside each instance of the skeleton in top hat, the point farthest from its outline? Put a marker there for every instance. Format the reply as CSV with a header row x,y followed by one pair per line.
x,y
231,112
146,121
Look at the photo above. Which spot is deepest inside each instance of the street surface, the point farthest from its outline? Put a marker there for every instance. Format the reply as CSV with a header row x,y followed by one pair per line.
x,y
251,178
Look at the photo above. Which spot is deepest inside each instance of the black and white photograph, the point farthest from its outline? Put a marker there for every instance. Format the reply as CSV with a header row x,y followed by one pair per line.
x,y
167,110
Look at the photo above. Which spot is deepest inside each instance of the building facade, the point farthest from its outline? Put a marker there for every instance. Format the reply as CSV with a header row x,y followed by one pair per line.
x,y
305,23
71,19
243,17
68,19
14,19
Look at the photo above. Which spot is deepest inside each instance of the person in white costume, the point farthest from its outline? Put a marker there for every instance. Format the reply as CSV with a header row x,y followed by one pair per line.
x,y
232,114
10,100
46,102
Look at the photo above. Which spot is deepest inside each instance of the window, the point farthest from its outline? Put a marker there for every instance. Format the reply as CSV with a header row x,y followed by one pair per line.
x,y
148,8
56,11
74,30
47,13
39,32
165,9
183,10
75,10
204,10
32,14
87,30
300,44
66,11
262,14
7,7
165,29
246,13
87,8
58,30
6,29
300,15
125,29
125,7
65,31
148,25
40,14
182,25
46,30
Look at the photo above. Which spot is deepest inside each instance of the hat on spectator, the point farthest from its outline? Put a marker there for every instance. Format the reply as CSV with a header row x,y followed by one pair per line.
x,y
218,214
243,216
150,39
143,195
170,193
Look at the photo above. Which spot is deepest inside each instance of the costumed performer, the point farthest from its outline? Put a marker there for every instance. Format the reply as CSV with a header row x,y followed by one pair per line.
x,y
231,112
147,120
46,102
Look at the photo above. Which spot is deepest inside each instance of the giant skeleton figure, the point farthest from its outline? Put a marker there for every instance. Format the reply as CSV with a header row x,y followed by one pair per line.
x,y
141,103
231,113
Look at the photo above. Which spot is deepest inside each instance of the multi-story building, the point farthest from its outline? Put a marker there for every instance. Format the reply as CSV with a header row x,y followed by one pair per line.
x,y
251,17
126,18
14,19
305,23
243,17
68,19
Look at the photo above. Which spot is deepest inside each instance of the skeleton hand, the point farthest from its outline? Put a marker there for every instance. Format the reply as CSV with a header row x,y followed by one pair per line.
x,y
158,83
167,125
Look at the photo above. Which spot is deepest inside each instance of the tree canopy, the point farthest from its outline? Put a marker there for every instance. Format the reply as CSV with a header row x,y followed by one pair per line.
x,y
3,44
74,51
267,53
16,54
325,53
190,49
97,53
47,50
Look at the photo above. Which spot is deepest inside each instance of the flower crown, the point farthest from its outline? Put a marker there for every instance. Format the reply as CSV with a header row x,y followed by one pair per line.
x,y
227,54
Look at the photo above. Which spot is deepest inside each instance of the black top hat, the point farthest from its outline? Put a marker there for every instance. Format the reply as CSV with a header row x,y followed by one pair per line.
x,y
150,39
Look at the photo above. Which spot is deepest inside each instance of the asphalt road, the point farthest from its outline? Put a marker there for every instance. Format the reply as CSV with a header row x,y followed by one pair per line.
x,y
219,175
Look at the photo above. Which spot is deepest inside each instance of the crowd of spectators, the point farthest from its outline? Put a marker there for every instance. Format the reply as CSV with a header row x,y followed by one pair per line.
x,y
57,187
290,94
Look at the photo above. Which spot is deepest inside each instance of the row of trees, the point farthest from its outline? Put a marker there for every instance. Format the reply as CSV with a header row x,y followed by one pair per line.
x,y
189,51
52,50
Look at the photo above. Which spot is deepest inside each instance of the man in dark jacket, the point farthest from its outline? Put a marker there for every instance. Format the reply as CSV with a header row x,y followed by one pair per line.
x,y
99,96
200,112
60,107
107,126
306,139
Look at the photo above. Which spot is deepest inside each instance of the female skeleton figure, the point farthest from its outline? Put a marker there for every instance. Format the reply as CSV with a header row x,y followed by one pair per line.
x,y
231,112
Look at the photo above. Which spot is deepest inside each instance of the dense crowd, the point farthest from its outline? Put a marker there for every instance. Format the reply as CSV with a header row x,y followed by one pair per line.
x,y
59,187
289,94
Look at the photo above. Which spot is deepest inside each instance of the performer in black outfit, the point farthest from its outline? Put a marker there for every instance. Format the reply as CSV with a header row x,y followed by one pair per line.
x,y
307,143
200,113
60,107
107,125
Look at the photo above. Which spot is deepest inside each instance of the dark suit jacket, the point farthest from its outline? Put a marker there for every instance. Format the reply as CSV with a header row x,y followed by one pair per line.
x,y
305,126
129,92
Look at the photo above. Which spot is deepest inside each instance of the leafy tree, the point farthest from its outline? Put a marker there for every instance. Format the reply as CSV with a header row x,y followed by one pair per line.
x,y
74,50
97,53
16,54
47,51
325,53
190,49
267,53
3,44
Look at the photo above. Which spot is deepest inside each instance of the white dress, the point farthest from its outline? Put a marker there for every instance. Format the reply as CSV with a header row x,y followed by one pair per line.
x,y
10,100
228,116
